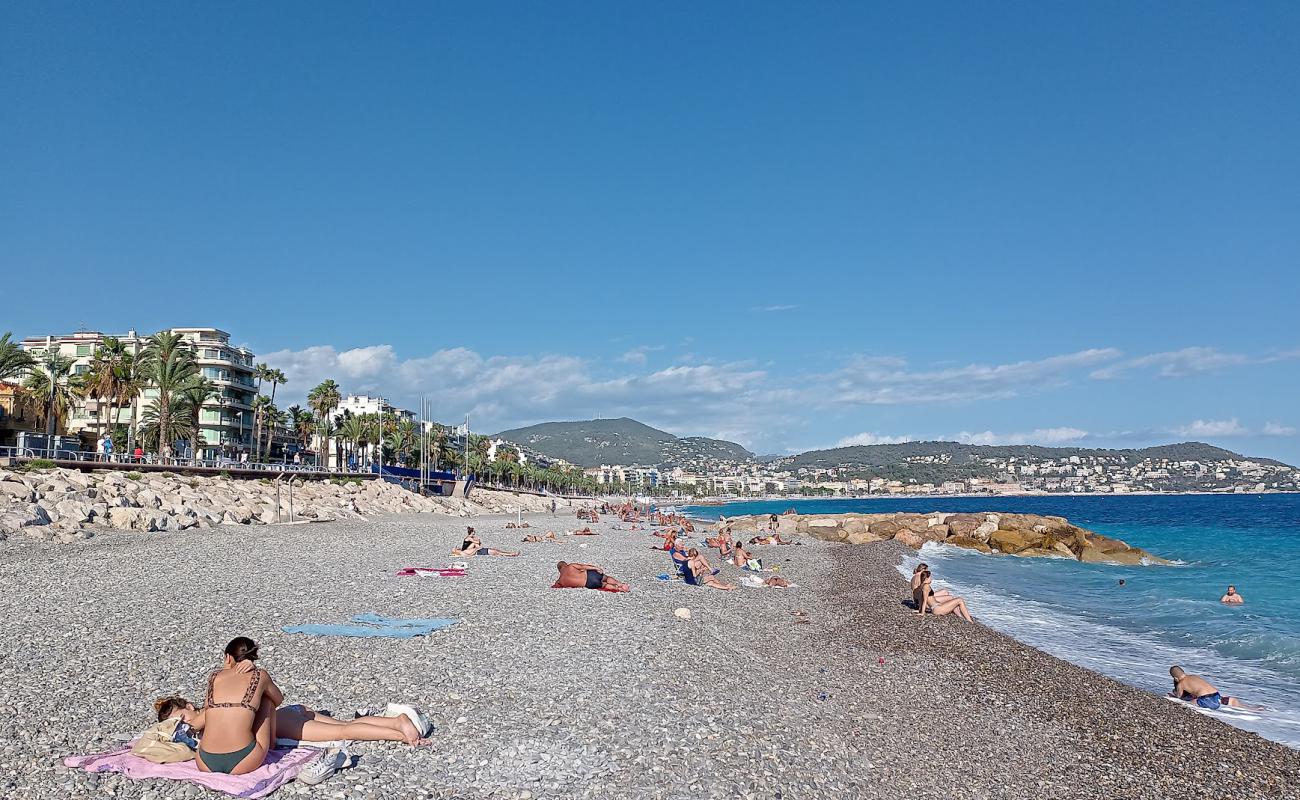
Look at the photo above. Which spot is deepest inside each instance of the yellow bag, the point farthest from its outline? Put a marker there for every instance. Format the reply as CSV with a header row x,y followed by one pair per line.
x,y
156,744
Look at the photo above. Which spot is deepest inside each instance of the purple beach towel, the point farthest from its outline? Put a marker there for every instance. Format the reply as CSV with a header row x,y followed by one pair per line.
x,y
281,766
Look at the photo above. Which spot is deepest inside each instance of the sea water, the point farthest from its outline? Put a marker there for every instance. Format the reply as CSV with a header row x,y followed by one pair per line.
x,y
1162,615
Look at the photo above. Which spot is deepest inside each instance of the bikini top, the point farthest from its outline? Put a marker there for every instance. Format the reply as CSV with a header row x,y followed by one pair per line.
x,y
245,702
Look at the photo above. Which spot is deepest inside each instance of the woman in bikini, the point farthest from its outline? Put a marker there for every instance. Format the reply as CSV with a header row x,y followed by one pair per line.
x,y
698,572
940,595
238,733
473,546
926,601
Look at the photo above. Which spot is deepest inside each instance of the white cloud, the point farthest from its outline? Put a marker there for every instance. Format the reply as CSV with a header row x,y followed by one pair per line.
x,y
888,381
1188,361
774,309
872,438
1212,428
1047,437
637,355
694,395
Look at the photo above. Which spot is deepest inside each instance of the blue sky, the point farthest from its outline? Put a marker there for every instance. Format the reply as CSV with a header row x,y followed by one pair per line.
x,y
788,224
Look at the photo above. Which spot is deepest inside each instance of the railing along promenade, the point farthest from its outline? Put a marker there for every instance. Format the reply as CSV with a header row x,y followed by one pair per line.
x,y
83,460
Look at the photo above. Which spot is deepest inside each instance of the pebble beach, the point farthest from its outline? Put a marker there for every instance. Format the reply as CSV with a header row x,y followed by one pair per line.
x,y
572,693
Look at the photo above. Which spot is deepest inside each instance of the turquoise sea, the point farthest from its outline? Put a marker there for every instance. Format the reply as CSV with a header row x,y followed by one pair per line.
x,y
1162,615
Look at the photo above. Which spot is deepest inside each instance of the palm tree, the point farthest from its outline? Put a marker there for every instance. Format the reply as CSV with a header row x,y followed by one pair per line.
x,y
54,389
190,398
273,419
323,400
354,431
160,425
14,360
295,420
131,382
168,364
102,382
276,378
261,404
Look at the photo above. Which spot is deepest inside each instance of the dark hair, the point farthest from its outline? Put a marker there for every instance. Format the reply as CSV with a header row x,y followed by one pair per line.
x,y
242,648
166,706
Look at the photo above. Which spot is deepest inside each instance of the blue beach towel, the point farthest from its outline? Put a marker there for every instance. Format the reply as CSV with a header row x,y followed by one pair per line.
x,y
371,618
376,627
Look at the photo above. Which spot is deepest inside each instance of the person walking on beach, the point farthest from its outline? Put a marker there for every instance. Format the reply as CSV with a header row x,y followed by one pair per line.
x,y
1195,689
1232,598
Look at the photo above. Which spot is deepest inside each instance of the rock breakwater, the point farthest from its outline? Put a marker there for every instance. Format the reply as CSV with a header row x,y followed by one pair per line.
x,y
65,505
989,532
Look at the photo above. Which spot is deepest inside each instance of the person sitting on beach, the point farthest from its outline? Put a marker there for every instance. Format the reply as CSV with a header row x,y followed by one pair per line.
x,y
1195,689
670,541
744,559
239,716
535,538
926,601
938,594
1232,598
587,576
698,572
472,546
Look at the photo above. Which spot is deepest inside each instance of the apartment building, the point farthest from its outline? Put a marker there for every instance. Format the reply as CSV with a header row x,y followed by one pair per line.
x,y
226,421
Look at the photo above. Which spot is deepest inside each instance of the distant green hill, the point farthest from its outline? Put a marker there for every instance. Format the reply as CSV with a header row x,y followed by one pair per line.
x,y
594,442
967,458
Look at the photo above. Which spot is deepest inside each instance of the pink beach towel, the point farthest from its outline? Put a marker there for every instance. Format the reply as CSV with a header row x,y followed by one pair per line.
x,y
426,572
281,766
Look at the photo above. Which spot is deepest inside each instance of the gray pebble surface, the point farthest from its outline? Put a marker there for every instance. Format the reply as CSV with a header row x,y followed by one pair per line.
x,y
576,694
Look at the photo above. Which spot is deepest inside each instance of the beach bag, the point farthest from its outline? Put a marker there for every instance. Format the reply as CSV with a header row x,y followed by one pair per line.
x,y
156,744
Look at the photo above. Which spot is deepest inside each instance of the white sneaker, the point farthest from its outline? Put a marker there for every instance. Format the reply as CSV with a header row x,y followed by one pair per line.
x,y
330,762
421,723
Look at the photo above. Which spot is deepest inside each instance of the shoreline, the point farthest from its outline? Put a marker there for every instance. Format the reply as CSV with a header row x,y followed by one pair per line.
x,y
716,502
584,694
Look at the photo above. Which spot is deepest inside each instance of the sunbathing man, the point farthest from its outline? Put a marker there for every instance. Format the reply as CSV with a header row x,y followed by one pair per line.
x,y
926,602
587,576
1195,689
534,538
698,572
473,546
1232,598
239,718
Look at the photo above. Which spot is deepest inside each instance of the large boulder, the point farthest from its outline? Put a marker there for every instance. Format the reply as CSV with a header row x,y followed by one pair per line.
x,y
863,537
17,491
827,528
916,523
14,516
969,542
964,524
909,538
123,519
1009,541
886,529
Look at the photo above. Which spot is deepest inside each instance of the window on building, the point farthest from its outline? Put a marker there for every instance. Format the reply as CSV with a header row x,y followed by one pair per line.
x,y
81,369
84,350
211,353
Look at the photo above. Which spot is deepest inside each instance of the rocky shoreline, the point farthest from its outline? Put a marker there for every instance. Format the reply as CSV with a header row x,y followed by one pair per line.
x,y
988,532
67,505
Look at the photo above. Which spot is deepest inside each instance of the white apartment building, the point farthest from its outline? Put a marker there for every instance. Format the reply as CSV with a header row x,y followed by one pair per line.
x,y
357,404
631,476
225,423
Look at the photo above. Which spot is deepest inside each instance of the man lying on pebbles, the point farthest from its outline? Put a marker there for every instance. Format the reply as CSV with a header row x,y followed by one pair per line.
x,y
587,576
1197,690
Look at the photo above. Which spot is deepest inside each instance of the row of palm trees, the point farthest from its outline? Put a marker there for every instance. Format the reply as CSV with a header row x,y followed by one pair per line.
x,y
167,365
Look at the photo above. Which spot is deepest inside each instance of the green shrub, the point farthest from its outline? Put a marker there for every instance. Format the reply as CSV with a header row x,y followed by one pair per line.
x,y
37,464
135,476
